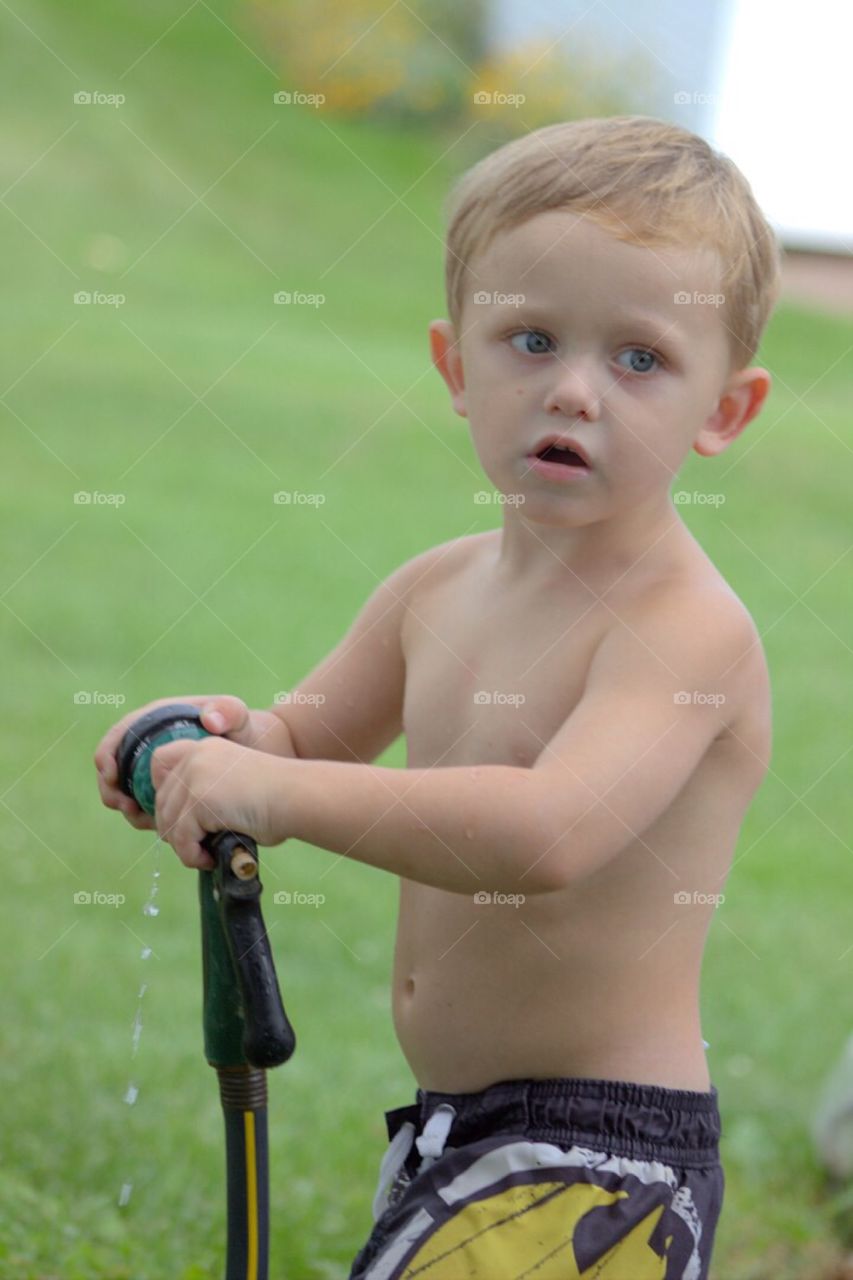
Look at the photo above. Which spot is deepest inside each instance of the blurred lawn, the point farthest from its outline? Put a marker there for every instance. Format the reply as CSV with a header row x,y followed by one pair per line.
x,y
199,582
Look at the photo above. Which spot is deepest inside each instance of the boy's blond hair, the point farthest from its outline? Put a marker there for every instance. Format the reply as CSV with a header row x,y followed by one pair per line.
x,y
644,180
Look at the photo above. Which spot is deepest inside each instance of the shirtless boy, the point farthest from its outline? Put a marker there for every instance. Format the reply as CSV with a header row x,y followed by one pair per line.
x,y
587,715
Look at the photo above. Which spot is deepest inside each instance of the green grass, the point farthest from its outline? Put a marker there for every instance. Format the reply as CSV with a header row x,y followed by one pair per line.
x,y
104,599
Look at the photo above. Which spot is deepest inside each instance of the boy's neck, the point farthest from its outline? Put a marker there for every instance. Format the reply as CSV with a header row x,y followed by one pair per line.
x,y
594,555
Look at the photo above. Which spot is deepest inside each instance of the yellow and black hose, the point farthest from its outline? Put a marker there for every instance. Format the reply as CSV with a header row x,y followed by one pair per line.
x,y
243,1092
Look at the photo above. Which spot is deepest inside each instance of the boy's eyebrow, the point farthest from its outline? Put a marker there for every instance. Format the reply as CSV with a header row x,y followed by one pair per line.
x,y
666,329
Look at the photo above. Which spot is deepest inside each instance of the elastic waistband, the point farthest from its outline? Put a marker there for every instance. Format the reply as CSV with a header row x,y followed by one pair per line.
x,y
643,1121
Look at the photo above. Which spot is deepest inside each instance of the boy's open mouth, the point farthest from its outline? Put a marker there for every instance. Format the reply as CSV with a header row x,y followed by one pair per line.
x,y
554,453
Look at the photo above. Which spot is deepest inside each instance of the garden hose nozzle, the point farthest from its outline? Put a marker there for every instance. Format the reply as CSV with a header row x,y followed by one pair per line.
x,y
246,1029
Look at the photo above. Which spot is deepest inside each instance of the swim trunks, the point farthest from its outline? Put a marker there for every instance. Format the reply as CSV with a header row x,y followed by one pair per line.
x,y
555,1179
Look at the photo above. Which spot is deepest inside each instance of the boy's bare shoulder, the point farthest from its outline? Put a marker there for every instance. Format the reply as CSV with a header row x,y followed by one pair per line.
x,y
708,602
706,617
702,592
437,563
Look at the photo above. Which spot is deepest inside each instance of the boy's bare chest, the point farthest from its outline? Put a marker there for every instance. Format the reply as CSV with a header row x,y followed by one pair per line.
x,y
489,680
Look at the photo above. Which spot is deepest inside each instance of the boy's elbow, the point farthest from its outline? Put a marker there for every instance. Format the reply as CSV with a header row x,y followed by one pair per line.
x,y
547,848
573,847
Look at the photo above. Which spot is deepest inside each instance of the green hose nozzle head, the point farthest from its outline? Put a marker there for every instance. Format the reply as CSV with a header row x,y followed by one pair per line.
x,y
141,740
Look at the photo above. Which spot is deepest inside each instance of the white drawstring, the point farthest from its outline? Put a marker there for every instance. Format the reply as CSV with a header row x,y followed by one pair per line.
x,y
430,1144
392,1162
432,1140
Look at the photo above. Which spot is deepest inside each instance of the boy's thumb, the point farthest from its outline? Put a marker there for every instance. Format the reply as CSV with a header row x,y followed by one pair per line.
x,y
164,758
227,714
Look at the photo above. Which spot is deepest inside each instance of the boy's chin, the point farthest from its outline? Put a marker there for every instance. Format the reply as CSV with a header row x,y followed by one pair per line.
x,y
553,512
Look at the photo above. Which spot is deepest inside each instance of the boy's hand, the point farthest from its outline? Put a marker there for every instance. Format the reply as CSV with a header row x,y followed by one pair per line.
x,y
221,714
211,784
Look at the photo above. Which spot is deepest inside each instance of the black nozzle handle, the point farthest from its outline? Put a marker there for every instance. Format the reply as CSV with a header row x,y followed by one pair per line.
x,y
268,1038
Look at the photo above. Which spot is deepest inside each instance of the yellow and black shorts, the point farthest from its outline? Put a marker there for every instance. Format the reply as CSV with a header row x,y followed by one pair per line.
x,y
560,1179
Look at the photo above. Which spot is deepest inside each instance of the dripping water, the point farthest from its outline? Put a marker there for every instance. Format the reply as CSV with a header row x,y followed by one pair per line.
x,y
131,1093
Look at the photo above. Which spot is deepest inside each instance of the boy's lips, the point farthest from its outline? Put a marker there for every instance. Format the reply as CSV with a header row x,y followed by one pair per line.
x,y
561,450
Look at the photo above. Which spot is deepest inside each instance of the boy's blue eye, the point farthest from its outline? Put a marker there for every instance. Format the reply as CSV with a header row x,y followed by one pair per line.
x,y
644,356
641,357
531,333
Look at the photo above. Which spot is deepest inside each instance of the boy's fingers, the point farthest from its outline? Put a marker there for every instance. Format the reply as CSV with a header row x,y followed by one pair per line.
x,y
105,751
110,794
135,816
142,821
114,799
103,757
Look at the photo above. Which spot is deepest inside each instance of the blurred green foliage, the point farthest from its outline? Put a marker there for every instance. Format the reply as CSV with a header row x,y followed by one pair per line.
x,y
432,62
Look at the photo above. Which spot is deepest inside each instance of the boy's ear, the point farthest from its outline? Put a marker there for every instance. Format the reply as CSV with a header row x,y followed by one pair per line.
x,y
741,400
447,358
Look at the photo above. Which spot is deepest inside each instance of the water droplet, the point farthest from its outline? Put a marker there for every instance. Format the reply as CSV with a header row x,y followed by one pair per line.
x,y
137,1031
149,909
132,1091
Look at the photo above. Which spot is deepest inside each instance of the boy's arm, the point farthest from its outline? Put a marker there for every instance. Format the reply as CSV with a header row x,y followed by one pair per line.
x,y
350,707
615,765
666,681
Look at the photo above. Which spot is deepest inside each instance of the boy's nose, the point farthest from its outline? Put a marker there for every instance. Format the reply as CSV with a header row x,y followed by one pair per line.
x,y
574,394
